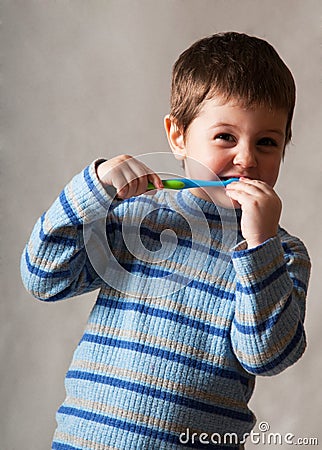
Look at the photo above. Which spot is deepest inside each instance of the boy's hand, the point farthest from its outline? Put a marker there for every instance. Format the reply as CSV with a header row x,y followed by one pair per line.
x,y
261,209
129,176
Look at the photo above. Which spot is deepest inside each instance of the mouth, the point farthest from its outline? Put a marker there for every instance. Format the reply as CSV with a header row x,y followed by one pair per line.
x,y
228,177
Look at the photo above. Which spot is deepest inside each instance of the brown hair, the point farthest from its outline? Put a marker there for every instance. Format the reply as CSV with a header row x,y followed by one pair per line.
x,y
231,65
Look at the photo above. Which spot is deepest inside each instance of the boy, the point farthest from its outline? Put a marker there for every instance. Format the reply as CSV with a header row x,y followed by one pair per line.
x,y
163,367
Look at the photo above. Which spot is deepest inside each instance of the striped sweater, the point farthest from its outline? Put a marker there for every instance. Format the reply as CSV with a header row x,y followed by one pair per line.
x,y
183,322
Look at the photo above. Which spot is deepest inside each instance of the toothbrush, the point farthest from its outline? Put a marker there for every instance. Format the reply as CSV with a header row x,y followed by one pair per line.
x,y
187,183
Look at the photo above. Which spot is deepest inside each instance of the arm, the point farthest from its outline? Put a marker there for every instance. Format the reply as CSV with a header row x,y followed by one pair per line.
x,y
267,332
272,280
54,263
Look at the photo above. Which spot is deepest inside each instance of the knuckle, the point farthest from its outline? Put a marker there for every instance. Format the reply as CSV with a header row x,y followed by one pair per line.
x,y
254,202
125,156
122,159
122,190
132,182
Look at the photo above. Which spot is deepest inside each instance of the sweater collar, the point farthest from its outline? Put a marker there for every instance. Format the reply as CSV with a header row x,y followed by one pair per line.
x,y
195,205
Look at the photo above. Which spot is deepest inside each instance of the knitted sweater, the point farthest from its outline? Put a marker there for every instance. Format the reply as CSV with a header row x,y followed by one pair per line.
x,y
174,342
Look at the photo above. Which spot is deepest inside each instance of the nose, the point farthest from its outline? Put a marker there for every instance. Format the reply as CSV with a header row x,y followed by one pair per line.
x,y
245,156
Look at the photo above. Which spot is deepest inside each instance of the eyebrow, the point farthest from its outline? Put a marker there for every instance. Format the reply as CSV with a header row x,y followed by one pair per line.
x,y
223,124
277,131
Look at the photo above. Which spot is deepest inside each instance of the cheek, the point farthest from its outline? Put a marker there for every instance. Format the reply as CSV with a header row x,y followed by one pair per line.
x,y
203,159
270,173
206,167
217,162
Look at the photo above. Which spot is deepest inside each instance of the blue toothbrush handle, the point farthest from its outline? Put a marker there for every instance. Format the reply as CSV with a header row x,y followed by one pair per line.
x,y
187,183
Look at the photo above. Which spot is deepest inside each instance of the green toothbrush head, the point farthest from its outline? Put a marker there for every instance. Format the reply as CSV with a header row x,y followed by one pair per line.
x,y
169,184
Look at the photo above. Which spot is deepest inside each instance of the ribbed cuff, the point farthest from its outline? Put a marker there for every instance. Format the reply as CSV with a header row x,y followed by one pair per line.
x,y
263,259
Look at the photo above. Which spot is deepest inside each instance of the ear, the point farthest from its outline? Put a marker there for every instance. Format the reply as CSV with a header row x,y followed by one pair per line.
x,y
175,138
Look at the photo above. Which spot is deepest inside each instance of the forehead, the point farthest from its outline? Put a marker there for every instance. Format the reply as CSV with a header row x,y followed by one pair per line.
x,y
234,111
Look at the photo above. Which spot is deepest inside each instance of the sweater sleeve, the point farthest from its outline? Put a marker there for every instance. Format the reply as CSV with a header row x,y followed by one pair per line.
x,y
272,281
54,263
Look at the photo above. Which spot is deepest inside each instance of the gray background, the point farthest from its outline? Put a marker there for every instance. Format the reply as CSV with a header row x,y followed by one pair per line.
x,y
83,79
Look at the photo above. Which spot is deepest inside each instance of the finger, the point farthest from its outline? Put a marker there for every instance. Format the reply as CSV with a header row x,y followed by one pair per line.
x,y
258,183
146,175
143,174
155,180
137,184
122,192
134,183
142,184
253,187
122,185
240,196
153,177
139,168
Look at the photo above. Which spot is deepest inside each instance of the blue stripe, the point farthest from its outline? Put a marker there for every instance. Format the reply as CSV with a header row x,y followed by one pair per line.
x,y
232,218
210,216
94,190
150,391
211,288
298,284
289,254
266,324
75,412
143,308
255,288
68,292
49,238
150,271
279,359
43,273
147,200
68,210
176,277
133,427
165,354
181,242
89,278
136,428
61,446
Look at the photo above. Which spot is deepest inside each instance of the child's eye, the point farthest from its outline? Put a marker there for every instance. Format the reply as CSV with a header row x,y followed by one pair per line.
x,y
267,141
225,137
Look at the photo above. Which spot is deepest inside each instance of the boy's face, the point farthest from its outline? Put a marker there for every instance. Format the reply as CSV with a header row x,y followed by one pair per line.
x,y
230,141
